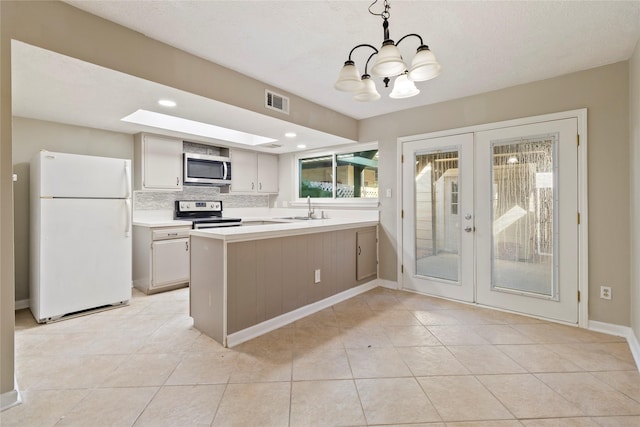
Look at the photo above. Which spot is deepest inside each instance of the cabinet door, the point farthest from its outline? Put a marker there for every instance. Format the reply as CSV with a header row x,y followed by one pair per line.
x,y
170,262
367,257
162,163
267,173
243,171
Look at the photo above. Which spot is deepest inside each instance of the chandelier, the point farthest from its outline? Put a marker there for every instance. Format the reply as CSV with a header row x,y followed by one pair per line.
x,y
389,63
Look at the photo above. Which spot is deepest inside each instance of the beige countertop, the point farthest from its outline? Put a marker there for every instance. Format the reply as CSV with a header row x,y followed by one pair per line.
x,y
161,223
281,229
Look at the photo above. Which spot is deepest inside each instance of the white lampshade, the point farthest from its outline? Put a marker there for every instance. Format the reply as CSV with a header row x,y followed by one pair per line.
x,y
349,78
424,65
368,92
389,62
403,88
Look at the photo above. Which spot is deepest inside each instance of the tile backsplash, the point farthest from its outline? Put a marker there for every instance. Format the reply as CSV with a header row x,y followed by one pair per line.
x,y
164,200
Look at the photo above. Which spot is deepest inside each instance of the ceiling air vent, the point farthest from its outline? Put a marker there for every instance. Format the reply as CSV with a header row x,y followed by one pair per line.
x,y
276,102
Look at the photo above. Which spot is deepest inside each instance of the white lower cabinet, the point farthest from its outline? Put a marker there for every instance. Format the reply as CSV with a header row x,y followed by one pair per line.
x,y
160,258
170,262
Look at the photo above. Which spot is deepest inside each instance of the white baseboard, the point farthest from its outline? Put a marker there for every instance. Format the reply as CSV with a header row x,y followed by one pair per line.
x,y
620,331
23,303
388,284
284,319
10,398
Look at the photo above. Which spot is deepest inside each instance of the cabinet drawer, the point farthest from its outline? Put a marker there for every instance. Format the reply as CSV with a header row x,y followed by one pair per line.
x,y
170,233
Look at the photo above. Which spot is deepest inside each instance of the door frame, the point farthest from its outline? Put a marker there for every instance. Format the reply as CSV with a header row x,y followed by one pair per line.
x,y
583,229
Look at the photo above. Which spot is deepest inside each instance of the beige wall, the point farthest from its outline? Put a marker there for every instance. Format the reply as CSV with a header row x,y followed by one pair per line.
x,y
29,137
7,318
634,141
604,91
64,29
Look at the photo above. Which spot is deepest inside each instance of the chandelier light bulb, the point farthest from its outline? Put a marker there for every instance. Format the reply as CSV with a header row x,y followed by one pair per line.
x,y
403,88
424,65
368,92
349,78
389,62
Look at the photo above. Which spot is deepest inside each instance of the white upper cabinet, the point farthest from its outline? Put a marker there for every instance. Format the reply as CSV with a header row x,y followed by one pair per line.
x,y
244,171
267,173
158,163
253,172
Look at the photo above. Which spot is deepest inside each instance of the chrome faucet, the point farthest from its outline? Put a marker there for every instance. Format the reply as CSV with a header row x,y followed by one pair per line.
x,y
310,211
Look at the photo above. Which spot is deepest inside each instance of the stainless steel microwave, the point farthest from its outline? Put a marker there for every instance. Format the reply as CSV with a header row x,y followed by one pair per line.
x,y
201,169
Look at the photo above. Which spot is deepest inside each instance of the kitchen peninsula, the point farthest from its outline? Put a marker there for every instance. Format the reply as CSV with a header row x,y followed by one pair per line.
x,y
246,281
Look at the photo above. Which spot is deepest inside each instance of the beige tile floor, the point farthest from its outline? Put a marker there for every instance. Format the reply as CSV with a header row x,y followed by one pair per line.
x,y
382,358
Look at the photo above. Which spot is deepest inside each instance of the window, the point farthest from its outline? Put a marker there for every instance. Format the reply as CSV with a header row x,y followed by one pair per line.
x,y
343,175
316,177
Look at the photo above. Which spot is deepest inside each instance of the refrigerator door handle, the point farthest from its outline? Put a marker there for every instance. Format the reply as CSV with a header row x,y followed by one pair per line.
x,y
127,174
127,230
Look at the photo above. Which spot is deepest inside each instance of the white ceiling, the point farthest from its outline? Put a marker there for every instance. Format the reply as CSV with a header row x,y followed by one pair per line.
x,y
300,46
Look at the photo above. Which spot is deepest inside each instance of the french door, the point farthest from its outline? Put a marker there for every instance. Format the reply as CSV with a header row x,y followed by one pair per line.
x,y
438,207
491,217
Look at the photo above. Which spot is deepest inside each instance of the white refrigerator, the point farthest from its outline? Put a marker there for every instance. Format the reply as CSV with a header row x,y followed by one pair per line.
x,y
80,233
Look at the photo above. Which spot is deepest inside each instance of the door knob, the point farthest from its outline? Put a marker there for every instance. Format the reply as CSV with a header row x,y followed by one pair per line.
x,y
468,229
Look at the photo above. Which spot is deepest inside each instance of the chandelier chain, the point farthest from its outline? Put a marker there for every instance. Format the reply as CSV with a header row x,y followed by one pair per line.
x,y
385,13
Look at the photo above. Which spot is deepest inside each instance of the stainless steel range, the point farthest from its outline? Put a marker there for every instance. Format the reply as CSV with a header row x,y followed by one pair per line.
x,y
204,214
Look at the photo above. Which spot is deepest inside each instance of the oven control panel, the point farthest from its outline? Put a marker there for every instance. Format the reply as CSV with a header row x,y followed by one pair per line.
x,y
199,206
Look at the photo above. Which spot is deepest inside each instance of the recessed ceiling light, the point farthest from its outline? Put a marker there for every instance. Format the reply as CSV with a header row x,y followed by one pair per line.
x,y
301,146
290,134
178,124
167,103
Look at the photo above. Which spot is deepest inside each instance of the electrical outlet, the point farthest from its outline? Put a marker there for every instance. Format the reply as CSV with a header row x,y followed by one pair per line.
x,y
317,276
605,292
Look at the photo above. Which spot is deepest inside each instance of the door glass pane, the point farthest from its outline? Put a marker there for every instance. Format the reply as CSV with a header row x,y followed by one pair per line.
x,y
437,215
523,215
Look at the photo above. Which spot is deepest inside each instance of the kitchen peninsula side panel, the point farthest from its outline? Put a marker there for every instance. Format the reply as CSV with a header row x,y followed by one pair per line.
x,y
206,303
